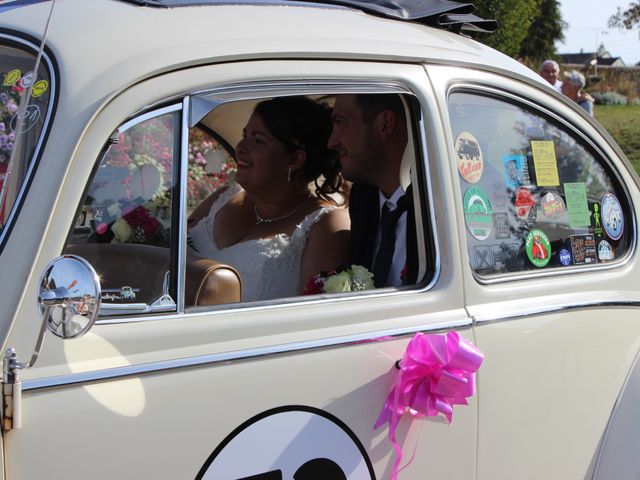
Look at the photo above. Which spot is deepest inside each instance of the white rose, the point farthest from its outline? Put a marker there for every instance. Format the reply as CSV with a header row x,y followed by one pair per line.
x,y
340,282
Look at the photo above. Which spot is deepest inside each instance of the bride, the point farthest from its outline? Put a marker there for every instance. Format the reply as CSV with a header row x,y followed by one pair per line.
x,y
270,225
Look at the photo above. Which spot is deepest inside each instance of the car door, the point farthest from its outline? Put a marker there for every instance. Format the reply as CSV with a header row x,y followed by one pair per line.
x,y
549,269
159,388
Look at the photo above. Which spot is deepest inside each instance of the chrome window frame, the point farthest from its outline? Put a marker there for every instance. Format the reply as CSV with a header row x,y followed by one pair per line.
x,y
261,90
512,98
53,99
106,309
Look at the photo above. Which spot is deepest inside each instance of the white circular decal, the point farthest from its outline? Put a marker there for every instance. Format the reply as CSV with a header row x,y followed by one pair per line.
x,y
470,163
289,443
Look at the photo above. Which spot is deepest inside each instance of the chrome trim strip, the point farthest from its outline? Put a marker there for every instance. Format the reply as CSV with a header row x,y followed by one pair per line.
x,y
528,312
529,274
147,116
432,212
306,346
43,133
182,225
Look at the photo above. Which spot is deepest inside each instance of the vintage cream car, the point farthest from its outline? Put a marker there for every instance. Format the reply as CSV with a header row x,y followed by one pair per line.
x,y
526,231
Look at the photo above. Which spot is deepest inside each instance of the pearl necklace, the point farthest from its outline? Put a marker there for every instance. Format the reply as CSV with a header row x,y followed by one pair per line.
x,y
260,219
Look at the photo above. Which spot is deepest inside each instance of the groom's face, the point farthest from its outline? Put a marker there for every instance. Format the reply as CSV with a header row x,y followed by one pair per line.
x,y
352,138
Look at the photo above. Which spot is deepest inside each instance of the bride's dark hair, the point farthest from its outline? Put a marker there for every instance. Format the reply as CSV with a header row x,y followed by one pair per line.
x,y
301,123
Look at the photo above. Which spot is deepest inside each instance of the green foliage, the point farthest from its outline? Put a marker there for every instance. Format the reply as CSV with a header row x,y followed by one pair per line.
x,y
547,27
514,19
527,29
628,18
623,123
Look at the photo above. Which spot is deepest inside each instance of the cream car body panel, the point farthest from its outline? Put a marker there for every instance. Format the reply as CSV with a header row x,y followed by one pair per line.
x,y
561,344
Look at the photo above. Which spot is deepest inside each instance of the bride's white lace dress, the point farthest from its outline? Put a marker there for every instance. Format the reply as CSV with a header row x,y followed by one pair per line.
x,y
269,267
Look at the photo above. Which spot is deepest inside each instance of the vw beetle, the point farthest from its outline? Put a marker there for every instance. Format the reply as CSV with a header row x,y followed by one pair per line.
x,y
526,230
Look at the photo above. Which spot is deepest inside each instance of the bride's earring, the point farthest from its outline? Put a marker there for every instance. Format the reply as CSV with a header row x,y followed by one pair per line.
x,y
289,175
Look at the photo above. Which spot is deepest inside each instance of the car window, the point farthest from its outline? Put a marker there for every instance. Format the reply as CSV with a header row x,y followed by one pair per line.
x,y
535,195
242,226
125,224
22,118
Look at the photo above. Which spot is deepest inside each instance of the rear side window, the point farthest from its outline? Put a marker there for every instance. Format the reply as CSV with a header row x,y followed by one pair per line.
x,y
25,105
535,196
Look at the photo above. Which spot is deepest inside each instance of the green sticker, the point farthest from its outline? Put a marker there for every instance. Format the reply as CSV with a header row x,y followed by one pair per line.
x,y
575,195
538,247
477,213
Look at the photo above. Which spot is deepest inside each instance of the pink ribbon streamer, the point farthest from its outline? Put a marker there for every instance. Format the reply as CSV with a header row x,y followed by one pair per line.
x,y
436,373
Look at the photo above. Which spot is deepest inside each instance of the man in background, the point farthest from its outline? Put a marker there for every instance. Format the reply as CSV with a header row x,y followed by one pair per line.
x,y
550,71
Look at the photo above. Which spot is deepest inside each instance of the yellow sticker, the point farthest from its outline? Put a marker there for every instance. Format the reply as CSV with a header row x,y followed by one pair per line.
x,y
39,88
11,78
544,161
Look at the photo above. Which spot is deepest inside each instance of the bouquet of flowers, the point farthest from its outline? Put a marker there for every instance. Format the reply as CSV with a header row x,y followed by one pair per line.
x,y
351,279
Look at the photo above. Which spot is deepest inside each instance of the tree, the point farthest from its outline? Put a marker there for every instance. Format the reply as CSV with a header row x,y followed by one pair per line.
x,y
514,19
546,28
526,28
628,18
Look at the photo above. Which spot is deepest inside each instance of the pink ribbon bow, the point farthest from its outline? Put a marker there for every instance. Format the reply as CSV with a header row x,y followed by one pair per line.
x,y
436,373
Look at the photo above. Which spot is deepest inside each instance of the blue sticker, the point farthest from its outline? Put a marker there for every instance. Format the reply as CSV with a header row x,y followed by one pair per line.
x,y
612,216
565,257
516,171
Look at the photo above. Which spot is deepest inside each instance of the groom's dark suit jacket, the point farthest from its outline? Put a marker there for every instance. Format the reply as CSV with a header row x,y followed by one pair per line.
x,y
364,210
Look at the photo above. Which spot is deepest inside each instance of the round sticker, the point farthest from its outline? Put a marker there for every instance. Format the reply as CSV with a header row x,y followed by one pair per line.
x,y
39,88
29,117
605,252
26,80
11,78
296,442
565,257
477,213
538,247
612,217
470,162
552,206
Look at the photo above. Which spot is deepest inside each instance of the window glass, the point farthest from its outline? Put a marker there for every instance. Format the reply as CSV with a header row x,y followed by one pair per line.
x,y
210,165
298,211
534,195
125,225
21,120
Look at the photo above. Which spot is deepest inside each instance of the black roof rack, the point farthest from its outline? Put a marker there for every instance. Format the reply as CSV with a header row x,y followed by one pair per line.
x,y
446,14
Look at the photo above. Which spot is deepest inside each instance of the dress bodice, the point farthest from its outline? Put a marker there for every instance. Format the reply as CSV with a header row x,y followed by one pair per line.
x,y
269,267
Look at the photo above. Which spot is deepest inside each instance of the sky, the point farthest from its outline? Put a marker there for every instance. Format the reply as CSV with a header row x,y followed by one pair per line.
x,y
587,29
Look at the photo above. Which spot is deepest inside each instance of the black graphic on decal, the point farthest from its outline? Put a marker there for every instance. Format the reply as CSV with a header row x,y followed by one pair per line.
x,y
289,443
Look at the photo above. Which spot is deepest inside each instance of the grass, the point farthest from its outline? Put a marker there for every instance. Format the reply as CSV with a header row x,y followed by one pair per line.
x,y
623,123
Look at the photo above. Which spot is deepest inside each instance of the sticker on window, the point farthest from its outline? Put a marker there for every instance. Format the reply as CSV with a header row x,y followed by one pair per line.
x,y
538,248
583,248
477,213
470,163
577,205
612,216
516,171
544,161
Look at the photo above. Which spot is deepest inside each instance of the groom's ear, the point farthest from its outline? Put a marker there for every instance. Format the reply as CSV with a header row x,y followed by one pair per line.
x,y
384,124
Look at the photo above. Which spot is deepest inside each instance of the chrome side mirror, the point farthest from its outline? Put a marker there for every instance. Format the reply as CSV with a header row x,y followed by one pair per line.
x,y
70,301
69,296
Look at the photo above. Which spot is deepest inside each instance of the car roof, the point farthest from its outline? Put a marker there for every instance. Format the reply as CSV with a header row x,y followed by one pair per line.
x,y
102,47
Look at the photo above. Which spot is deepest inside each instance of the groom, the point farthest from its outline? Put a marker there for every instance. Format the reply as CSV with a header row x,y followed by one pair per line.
x,y
370,135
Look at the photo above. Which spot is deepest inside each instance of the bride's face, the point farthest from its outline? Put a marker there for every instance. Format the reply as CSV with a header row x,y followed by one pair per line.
x,y
262,160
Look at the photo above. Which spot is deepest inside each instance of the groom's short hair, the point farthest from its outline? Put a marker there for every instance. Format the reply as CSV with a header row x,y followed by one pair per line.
x,y
371,104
